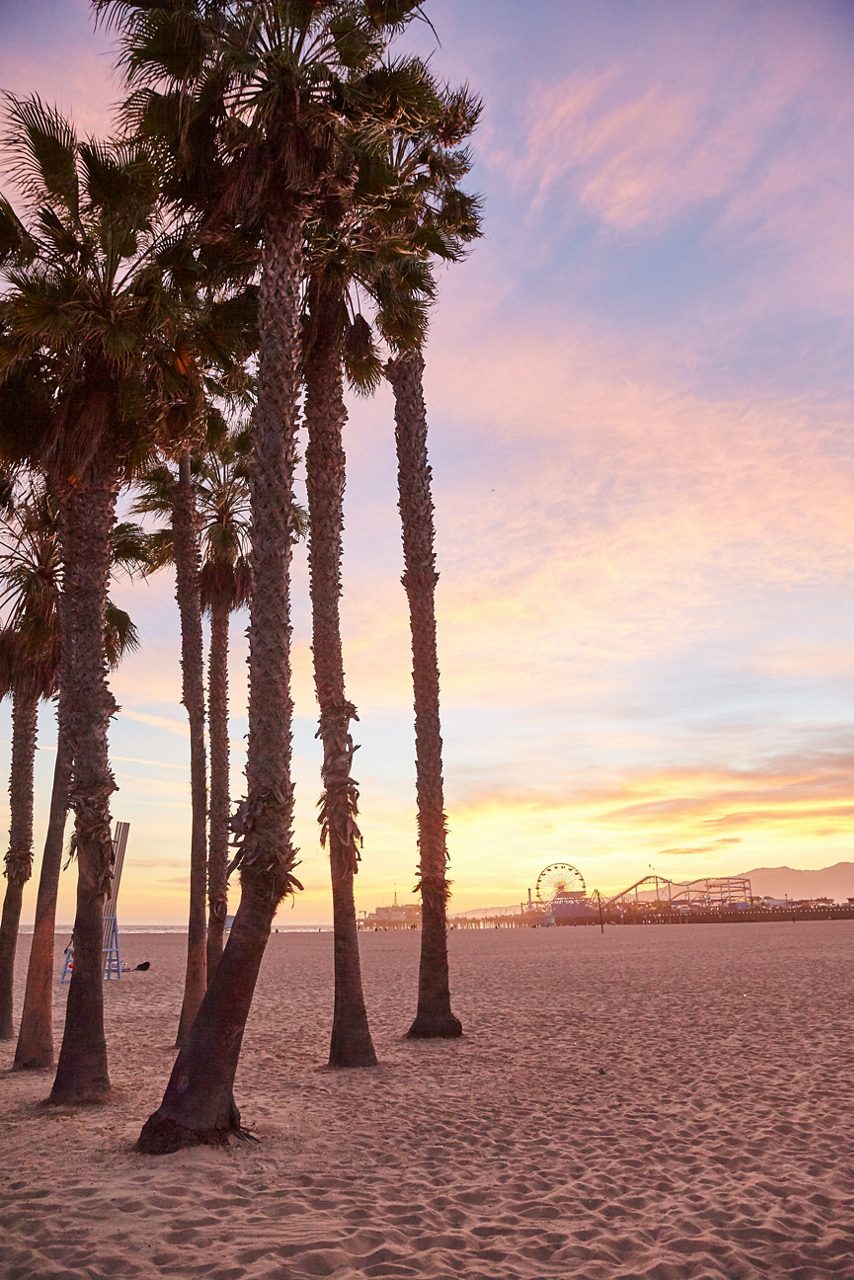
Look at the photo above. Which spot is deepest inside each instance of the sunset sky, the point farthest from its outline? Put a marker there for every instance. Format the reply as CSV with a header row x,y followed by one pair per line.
x,y
640,392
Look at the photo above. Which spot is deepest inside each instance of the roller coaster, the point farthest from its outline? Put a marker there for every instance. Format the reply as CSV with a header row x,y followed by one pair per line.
x,y
711,893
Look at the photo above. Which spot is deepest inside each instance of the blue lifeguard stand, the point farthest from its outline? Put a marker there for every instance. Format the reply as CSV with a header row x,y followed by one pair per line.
x,y
112,953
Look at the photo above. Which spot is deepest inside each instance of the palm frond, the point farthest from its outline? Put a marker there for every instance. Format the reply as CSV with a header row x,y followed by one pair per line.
x,y
130,549
42,148
16,243
120,634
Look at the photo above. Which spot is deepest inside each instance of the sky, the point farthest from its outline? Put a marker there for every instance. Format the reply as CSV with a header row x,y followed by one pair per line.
x,y
640,392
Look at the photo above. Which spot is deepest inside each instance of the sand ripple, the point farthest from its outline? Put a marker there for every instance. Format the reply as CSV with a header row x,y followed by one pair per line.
x,y
648,1105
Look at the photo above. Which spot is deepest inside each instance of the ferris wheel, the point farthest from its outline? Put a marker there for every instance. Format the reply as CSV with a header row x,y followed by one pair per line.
x,y
560,882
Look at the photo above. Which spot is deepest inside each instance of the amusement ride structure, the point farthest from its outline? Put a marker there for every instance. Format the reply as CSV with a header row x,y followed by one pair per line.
x,y
561,896
710,893
562,893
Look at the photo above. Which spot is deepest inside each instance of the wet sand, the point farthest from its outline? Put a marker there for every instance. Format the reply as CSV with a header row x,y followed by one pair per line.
x,y
651,1104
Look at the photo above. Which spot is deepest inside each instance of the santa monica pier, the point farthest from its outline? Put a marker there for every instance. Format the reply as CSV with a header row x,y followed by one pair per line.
x,y
560,897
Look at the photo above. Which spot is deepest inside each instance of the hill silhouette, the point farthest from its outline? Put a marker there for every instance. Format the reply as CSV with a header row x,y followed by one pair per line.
x,y
822,882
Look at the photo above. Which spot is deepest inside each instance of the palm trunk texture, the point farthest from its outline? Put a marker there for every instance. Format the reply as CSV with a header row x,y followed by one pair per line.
x,y
19,858
34,1049
82,1073
220,806
325,415
198,1105
434,1017
186,544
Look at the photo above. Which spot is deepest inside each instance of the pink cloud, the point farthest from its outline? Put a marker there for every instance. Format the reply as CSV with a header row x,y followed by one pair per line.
x,y
601,515
761,125
616,827
611,484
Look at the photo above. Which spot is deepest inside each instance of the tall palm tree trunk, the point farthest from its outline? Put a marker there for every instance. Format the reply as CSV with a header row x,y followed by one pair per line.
x,y
34,1049
434,1017
35,1038
325,415
186,542
198,1106
19,859
220,803
82,1074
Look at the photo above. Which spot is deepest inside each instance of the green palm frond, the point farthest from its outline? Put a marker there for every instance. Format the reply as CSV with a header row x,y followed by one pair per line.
x,y
27,663
362,358
376,241
104,284
160,549
248,101
155,491
30,563
27,404
42,146
16,243
120,634
131,550
221,487
30,578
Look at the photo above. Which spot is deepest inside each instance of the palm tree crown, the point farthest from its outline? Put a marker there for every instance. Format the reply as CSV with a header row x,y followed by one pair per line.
x,y
221,489
95,293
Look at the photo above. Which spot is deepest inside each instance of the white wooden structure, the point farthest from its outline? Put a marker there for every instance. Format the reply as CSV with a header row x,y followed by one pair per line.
x,y
111,949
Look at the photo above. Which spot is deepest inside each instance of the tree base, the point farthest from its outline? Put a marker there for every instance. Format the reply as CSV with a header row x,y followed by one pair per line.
x,y
40,1062
443,1026
82,1097
356,1051
161,1135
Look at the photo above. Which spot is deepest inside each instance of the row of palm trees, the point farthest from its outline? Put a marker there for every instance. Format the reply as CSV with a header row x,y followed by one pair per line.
x,y
30,670
30,572
219,480
262,232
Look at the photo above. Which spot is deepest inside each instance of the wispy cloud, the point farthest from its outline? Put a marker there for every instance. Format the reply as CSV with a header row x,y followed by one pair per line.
x,y
614,826
600,513
177,727
697,849
696,116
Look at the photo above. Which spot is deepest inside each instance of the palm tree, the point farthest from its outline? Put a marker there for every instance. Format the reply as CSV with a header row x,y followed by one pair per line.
x,y
221,498
29,667
34,1049
350,244
434,1016
27,421
378,246
217,338
254,95
222,486
442,219
30,648
172,494
86,289
187,592
18,667
325,415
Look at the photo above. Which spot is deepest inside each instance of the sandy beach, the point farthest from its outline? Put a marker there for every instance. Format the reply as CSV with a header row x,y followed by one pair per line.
x,y
651,1104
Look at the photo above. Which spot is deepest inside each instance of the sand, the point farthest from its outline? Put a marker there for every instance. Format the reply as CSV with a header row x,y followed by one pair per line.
x,y
656,1103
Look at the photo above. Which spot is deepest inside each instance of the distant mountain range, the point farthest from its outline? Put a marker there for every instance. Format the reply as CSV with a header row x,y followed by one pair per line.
x,y
786,882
